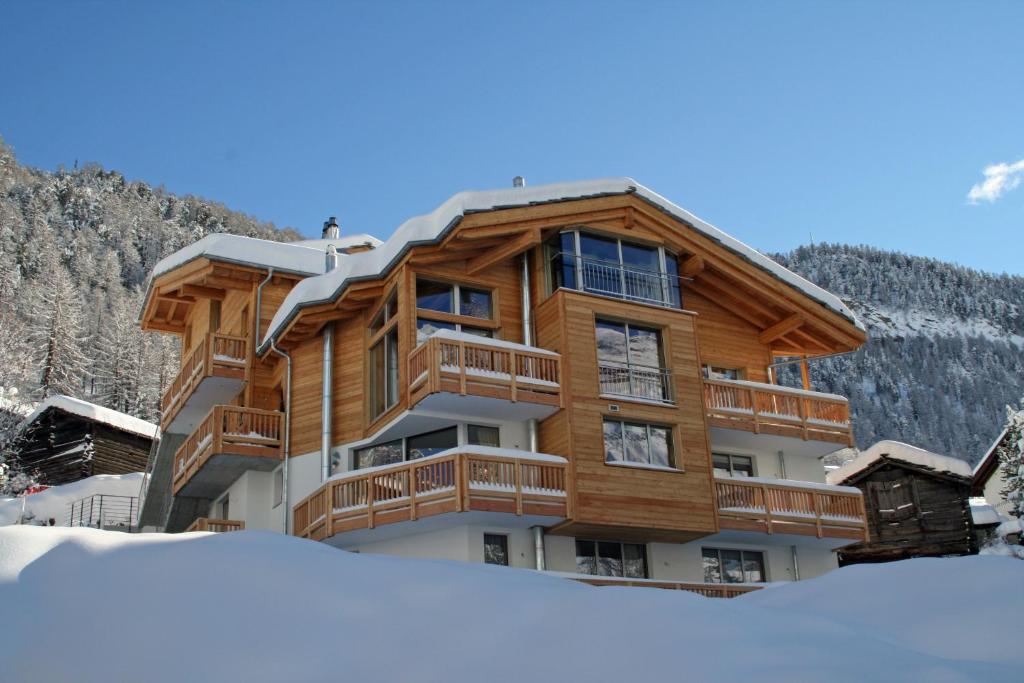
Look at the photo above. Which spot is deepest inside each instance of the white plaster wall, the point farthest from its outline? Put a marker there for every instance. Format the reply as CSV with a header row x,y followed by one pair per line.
x,y
993,493
463,543
798,467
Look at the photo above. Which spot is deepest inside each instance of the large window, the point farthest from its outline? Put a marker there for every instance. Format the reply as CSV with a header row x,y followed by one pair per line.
x,y
614,267
436,302
610,558
479,435
629,361
637,442
728,465
496,549
721,372
409,448
733,566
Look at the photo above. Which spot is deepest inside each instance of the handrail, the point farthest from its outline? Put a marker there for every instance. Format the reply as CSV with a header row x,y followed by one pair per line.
x,y
637,381
788,503
623,282
216,525
229,428
708,590
214,350
523,374
762,407
412,487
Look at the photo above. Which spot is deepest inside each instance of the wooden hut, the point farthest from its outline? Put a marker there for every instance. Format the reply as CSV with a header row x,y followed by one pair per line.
x,y
917,503
65,439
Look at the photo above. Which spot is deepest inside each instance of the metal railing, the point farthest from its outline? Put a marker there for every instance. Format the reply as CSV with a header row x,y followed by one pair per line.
x,y
636,381
618,280
102,511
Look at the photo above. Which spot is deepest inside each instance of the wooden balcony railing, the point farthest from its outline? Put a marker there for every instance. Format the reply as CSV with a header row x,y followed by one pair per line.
x,y
216,525
483,367
781,411
789,508
216,355
708,590
229,430
456,481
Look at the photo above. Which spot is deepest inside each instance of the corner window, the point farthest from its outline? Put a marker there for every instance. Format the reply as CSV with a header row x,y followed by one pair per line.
x,y
387,453
496,549
613,267
610,558
387,312
637,442
728,465
733,566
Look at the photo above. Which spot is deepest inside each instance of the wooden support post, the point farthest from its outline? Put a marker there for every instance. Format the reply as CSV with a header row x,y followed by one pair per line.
x,y
369,502
817,512
805,374
462,368
412,492
753,410
767,508
519,487
329,509
512,372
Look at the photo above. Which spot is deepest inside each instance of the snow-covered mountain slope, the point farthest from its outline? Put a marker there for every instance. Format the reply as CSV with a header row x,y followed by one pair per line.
x,y
257,606
946,348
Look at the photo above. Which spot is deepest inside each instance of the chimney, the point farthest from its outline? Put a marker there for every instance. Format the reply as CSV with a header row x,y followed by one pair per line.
x,y
331,229
332,257
519,181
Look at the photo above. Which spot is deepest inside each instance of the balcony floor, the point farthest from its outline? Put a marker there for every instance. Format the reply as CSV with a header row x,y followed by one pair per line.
x,y
387,532
484,407
746,441
220,471
209,392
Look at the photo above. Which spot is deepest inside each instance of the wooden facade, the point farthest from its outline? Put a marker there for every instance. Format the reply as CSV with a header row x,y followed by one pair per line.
x,y
912,511
733,314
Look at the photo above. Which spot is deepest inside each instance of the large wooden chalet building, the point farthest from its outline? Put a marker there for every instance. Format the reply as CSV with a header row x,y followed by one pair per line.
x,y
575,377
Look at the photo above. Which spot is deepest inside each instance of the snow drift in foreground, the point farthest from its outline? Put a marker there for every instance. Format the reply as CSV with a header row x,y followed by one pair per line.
x,y
89,605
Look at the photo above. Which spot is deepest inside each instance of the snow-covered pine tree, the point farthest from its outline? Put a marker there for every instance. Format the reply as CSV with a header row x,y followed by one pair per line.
x,y
57,329
120,356
1011,460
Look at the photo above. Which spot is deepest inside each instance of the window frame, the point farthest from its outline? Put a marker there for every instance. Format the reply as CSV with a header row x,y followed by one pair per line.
x,y
505,547
721,572
403,442
706,369
383,336
752,459
458,319
664,384
622,554
623,421
671,296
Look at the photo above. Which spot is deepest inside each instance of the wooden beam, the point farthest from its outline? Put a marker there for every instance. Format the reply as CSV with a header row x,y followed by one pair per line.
x,y
228,283
692,266
188,301
511,248
727,301
171,310
781,328
163,327
199,292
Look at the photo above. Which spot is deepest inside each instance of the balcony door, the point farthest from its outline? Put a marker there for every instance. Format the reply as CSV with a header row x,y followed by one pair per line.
x,y
630,361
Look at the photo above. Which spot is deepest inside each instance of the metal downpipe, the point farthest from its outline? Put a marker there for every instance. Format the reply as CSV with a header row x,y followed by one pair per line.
x,y
326,400
531,425
287,404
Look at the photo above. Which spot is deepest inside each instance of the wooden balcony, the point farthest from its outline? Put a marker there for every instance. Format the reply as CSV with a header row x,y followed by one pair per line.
x,y
228,442
708,590
214,372
777,411
455,481
789,508
216,525
498,372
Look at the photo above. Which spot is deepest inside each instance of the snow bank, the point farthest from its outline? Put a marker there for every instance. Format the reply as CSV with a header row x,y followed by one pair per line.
x,y
53,502
432,227
281,608
75,406
895,450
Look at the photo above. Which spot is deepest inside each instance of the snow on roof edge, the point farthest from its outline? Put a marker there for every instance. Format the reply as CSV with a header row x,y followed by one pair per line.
x,y
451,212
901,452
107,416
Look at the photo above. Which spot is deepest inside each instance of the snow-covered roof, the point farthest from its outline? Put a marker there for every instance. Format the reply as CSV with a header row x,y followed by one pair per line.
x,y
339,243
895,450
432,227
292,257
982,513
91,411
989,454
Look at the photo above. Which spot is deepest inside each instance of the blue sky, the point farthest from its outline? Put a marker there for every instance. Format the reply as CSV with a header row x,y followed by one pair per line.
x,y
778,122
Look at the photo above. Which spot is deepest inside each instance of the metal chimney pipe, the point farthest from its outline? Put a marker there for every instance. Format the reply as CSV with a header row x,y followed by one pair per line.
x,y
519,181
331,229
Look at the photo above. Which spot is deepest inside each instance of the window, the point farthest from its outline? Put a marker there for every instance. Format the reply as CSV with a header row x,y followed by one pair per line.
x,y
496,549
613,267
728,465
278,486
610,558
733,566
384,373
637,443
387,312
720,372
409,448
629,361
444,298
483,436
424,445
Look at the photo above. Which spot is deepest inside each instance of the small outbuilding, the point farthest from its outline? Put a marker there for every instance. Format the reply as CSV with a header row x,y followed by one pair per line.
x,y
988,477
66,439
917,503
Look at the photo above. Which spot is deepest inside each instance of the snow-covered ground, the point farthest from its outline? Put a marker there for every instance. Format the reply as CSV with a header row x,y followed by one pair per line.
x,y
87,605
53,502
